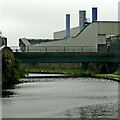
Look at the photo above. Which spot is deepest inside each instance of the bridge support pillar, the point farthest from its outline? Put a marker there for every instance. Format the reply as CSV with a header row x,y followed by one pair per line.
x,y
111,67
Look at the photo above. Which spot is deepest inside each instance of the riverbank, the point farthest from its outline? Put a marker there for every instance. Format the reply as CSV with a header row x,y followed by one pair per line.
x,y
60,70
108,76
73,73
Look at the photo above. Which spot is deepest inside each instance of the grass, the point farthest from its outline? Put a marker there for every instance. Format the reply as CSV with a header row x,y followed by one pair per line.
x,y
117,72
65,71
107,76
75,71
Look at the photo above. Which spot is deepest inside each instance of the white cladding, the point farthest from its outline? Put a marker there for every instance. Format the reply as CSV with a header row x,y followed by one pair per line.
x,y
105,29
88,37
108,28
94,34
62,34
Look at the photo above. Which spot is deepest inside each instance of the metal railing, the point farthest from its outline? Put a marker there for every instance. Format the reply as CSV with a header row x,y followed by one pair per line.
x,y
56,49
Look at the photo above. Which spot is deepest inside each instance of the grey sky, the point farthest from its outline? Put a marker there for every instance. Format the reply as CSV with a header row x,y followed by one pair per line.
x,y
40,18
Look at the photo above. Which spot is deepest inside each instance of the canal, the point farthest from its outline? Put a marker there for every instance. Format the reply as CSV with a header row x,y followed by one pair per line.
x,y
62,98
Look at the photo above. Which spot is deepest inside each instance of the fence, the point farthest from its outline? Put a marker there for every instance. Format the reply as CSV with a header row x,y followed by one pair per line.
x,y
56,49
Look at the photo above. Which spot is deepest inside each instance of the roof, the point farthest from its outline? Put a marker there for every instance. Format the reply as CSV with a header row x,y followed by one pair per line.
x,y
25,41
2,36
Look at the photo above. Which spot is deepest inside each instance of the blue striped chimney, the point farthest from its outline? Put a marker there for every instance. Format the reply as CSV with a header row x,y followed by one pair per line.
x,y
67,25
82,19
94,14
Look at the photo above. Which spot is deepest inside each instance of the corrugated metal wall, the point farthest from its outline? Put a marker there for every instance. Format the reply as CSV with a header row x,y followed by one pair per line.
x,y
62,34
88,37
109,28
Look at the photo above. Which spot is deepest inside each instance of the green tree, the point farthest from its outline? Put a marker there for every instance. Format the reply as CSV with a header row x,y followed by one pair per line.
x,y
11,71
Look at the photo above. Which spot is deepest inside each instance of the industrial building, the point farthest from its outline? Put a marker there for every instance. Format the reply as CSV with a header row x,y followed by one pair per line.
x,y
87,37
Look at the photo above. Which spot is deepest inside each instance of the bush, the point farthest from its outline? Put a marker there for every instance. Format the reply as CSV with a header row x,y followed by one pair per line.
x,y
11,71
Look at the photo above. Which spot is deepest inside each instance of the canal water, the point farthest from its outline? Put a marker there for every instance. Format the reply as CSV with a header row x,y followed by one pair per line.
x,y
62,98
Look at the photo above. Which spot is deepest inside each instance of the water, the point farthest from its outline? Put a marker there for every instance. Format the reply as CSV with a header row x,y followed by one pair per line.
x,y
39,74
61,98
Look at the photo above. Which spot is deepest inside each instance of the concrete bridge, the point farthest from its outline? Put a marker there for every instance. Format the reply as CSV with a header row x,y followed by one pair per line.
x,y
67,57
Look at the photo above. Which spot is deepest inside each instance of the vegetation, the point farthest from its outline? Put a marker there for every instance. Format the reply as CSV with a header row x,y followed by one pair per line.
x,y
107,76
117,72
60,70
11,70
88,68
66,69
92,69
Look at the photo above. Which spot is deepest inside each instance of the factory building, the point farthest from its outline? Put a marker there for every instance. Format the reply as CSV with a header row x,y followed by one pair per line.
x,y
87,37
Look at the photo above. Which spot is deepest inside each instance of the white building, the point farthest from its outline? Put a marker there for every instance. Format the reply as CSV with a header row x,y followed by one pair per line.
x,y
89,39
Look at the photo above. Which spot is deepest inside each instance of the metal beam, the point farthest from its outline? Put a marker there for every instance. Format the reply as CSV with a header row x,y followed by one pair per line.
x,y
37,57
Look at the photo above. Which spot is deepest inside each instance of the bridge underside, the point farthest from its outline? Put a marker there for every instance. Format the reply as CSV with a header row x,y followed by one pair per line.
x,y
37,57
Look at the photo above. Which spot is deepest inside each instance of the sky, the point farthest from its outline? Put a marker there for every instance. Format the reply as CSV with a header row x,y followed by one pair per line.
x,y
41,18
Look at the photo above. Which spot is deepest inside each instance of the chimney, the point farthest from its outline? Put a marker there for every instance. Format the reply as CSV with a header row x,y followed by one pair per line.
x,y
67,25
82,19
94,14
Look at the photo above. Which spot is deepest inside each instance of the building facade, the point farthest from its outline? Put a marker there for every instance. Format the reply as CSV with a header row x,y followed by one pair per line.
x,y
92,38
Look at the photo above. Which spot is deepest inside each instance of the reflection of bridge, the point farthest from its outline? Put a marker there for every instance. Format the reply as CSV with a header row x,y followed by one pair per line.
x,y
61,57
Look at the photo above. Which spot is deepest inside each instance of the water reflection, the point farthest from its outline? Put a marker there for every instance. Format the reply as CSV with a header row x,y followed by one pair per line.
x,y
93,111
34,74
63,97
119,100
7,93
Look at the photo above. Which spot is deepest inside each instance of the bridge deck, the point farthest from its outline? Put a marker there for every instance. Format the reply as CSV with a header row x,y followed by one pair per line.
x,y
62,57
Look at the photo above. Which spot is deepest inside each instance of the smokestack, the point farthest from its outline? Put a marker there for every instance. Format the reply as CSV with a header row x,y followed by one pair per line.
x,y
67,25
82,19
94,14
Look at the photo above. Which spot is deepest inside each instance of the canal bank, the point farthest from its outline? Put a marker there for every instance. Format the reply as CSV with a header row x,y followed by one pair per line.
x,y
96,70
108,76
71,75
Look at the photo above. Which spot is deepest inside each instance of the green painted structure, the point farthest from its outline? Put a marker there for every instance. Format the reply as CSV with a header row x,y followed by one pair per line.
x,y
69,57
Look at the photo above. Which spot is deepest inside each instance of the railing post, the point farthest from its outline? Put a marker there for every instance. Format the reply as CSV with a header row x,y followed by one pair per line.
x,y
64,49
82,48
27,49
46,48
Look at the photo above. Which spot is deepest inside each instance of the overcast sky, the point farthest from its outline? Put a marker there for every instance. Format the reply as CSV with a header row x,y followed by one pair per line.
x,y
40,18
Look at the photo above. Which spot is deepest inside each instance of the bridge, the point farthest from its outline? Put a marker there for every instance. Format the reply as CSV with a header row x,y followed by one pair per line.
x,y
61,54
62,57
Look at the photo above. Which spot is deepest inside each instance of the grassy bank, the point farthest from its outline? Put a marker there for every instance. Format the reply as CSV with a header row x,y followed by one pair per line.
x,y
109,76
62,71
76,72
